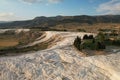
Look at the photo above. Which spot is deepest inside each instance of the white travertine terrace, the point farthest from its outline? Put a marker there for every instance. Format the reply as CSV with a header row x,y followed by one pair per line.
x,y
16,30
61,61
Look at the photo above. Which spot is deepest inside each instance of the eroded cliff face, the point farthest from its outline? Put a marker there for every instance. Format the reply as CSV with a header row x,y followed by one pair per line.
x,y
60,62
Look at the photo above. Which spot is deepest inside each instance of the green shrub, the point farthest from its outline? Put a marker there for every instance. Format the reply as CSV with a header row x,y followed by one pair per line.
x,y
116,42
91,37
87,37
100,37
112,42
93,45
77,43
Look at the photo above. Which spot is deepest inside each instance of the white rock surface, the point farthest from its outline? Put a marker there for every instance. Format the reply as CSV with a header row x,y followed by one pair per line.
x,y
16,30
60,62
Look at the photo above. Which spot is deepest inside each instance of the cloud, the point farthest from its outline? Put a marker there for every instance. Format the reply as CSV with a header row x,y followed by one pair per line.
x,y
111,7
6,14
31,1
41,1
9,17
55,1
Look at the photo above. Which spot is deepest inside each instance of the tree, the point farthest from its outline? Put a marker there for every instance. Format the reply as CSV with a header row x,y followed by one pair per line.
x,y
77,43
101,37
90,37
101,45
93,40
85,37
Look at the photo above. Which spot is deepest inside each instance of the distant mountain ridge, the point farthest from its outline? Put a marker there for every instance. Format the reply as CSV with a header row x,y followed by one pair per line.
x,y
42,21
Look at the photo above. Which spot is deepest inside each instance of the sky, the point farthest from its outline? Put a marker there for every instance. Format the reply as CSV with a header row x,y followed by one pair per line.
x,y
11,10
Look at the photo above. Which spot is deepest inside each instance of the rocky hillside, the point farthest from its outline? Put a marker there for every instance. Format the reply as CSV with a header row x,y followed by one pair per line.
x,y
43,22
61,61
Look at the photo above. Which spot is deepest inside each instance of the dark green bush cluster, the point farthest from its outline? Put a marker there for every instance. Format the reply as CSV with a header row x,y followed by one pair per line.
x,y
112,42
106,39
89,42
93,45
101,37
87,37
77,43
116,42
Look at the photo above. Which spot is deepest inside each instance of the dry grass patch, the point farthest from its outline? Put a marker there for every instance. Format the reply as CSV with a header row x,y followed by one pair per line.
x,y
8,43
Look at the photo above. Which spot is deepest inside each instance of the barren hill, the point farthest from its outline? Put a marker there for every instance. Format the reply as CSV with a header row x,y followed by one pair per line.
x,y
47,22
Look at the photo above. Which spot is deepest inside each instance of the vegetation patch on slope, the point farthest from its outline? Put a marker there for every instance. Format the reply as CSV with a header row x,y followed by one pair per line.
x,y
96,45
11,42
